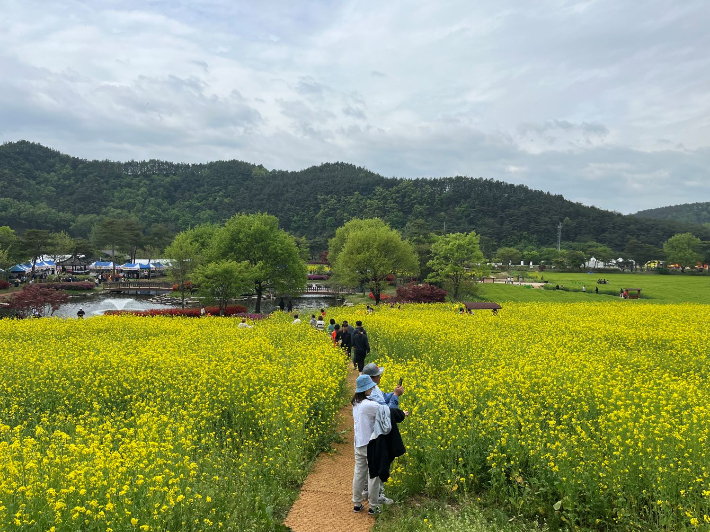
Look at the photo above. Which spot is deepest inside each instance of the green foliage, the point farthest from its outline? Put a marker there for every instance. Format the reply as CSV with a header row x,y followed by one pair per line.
x,y
456,258
367,251
508,255
271,252
45,189
184,255
693,213
224,280
683,249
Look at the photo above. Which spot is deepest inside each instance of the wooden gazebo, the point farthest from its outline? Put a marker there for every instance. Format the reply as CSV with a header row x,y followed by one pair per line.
x,y
637,295
482,305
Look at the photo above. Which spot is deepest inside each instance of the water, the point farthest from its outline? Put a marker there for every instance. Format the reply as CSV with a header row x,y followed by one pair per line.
x,y
96,304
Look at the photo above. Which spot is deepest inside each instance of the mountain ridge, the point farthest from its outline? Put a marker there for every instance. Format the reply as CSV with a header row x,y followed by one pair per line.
x,y
44,188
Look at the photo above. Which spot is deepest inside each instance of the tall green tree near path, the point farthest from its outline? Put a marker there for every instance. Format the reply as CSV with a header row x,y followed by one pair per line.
x,y
34,243
224,280
456,259
271,252
367,251
683,249
184,255
509,256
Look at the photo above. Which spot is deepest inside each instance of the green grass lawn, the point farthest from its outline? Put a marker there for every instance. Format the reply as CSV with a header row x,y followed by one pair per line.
x,y
655,288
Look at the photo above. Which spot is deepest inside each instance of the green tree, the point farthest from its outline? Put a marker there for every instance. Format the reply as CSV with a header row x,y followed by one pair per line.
x,y
271,252
60,244
456,258
370,252
224,280
35,243
642,253
9,247
531,255
109,232
575,260
600,252
683,249
184,255
508,256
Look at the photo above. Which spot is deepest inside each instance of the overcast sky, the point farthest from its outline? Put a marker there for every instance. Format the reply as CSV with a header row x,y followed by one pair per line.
x,y
605,102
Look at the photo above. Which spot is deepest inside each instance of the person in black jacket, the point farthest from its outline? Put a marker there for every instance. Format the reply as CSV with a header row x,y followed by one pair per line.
x,y
382,451
361,345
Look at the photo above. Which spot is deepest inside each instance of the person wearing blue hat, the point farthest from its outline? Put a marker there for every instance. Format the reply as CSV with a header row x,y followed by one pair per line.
x,y
364,413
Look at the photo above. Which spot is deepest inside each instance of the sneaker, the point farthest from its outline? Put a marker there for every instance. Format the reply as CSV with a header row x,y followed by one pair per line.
x,y
373,510
385,500
358,508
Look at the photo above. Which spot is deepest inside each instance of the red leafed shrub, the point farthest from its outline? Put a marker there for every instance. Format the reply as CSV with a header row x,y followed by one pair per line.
x,y
231,310
187,284
82,285
383,297
35,299
421,293
4,284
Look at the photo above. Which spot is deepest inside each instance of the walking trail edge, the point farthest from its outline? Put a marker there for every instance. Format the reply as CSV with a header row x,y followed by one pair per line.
x,y
325,502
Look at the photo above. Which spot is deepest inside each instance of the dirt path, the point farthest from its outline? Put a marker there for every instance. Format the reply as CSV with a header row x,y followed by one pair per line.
x,y
325,503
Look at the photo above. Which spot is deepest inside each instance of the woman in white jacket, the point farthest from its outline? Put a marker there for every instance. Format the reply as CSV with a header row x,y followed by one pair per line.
x,y
364,413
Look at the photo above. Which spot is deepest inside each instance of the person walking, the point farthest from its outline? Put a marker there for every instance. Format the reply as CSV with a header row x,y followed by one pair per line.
x,y
364,414
320,324
331,326
289,307
361,347
346,340
282,305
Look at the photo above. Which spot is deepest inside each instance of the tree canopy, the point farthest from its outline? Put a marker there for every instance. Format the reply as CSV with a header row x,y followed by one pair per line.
x,y
367,252
456,257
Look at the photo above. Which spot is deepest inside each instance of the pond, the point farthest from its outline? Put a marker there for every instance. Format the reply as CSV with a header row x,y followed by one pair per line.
x,y
95,304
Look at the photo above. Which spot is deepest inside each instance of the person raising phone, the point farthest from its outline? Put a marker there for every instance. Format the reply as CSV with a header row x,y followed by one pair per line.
x,y
390,399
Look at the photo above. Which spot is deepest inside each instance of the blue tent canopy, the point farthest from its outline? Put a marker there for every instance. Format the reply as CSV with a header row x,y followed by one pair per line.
x,y
99,265
21,268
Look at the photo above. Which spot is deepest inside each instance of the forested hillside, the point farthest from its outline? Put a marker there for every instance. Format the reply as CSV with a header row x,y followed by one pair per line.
x,y
42,188
692,213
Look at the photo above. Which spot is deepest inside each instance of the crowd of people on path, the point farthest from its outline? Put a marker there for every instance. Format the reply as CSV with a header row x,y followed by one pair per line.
x,y
377,441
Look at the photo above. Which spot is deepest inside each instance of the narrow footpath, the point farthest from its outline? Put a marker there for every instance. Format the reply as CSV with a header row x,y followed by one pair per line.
x,y
325,503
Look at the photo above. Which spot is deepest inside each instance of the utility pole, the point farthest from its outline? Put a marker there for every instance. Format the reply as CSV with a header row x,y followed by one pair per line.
x,y
559,235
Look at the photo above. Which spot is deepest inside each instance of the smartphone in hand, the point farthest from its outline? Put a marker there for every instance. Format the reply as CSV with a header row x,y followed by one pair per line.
x,y
400,382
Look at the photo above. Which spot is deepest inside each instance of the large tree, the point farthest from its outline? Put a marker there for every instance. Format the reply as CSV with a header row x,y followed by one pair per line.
x,y
35,243
184,255
683,249
271,252
642,253
224,280
509,256
371,251
456,258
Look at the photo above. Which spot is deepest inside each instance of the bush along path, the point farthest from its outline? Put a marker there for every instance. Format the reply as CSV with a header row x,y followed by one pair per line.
x,y
325,501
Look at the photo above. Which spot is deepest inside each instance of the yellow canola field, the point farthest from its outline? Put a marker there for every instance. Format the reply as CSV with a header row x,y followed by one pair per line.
x,y
588,415
127,423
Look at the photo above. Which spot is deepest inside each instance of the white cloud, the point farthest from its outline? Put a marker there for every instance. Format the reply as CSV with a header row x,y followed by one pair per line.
x,y
578,98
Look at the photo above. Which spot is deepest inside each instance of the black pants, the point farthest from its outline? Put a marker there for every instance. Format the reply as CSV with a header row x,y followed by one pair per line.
x,y
359,359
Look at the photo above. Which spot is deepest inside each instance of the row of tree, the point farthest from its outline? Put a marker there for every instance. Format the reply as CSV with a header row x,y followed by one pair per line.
x,y
44,189
250,254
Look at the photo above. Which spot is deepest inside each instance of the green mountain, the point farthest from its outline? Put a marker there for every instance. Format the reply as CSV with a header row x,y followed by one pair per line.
x,y
691,213
45,189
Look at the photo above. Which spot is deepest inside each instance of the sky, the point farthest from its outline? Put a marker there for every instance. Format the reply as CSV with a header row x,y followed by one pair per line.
x,y
605,102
